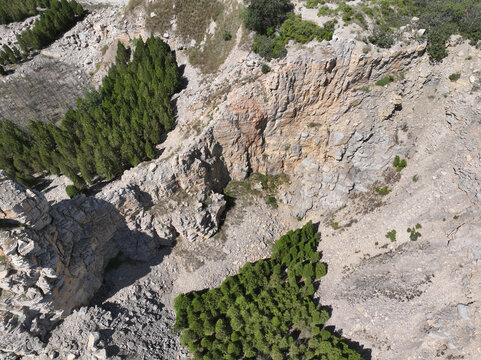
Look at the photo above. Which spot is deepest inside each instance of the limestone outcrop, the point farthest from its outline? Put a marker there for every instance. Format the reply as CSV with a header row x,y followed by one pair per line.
x,y
314,118
52,260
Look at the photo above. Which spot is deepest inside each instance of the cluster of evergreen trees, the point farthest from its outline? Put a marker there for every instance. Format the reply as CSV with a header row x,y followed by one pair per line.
x,y
12,11
60,16
265,310
113,128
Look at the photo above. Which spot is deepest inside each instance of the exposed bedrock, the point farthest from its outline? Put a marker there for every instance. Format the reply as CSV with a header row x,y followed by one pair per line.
x,y
311,118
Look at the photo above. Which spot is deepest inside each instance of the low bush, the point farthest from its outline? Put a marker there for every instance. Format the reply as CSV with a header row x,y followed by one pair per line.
x,y
73,191
399,164
454,77
226,35
383,191
391,235
413,233
385,80
269,47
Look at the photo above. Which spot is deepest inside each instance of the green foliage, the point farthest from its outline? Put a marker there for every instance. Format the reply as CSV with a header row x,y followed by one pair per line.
x,y
72,191
416,178
413,233
455,217
272,46
391,235
261,311
385,80
399,164
113,128
311,4
60,16
382,36
440,18
303,31
226,35
260,15
455,77
269,47
272,201
12,11
383,191
265,68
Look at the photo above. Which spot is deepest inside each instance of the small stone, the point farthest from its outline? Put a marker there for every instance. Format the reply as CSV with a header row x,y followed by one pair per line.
x,y
464,312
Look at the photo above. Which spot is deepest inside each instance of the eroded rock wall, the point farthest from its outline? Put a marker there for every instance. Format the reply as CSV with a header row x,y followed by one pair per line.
x,y
53,259
314,118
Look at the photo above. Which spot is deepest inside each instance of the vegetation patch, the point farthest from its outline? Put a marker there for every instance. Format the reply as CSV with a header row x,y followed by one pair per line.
x,y
113,128
383,191
60,16
455,77
413,232
439,18
400,164
266,310
256,186
18,10
391,235
275,25
72,191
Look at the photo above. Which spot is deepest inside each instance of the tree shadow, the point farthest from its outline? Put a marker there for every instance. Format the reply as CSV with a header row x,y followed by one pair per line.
x,y
123,271
119,261
365,353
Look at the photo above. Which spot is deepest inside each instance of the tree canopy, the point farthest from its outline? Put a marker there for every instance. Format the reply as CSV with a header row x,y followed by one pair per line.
x,y
60,16
266,310
113,128
11,11
260,15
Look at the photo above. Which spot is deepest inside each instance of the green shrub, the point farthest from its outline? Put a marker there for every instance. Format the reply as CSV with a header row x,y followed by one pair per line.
x,y
385,80
383,191
303,31
413,234
391,235
73,191
269,47
455,77
382,37
265,68
260,15
326,11
272,201
226,35
400,164
440,18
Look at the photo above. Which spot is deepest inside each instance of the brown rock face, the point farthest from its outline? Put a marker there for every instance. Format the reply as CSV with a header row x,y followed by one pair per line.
x,y
307,116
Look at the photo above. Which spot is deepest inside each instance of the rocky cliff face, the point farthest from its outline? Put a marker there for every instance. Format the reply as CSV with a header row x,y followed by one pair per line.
x,y
53,259
312,119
